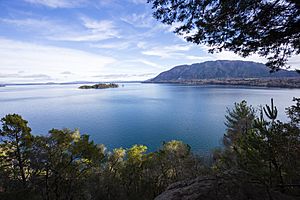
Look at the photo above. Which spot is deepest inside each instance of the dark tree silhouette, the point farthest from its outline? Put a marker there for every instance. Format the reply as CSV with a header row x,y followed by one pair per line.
x,y
270,28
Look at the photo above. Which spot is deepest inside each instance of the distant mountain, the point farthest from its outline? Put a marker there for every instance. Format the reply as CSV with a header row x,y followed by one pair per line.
x,y
221,69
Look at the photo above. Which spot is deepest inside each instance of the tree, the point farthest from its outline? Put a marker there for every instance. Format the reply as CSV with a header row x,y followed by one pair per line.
x,y
294,112
16,141
267,152
132,172
239,121
62,162
175,162
270,28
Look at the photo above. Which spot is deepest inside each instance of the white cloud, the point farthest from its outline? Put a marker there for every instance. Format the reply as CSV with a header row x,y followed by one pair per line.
x,y
141,45
25,76
198,58
147,62
167,51
66,72
49,60
25,22
39,26
140,20
95,30
123,76
139,1
228,55
91,30
294,62
57,3
135,66
114,45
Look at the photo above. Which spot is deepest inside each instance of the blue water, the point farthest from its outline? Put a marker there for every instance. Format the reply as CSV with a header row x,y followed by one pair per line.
x,y
137,113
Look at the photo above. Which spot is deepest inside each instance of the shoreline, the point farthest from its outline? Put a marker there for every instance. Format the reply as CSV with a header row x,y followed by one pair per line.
x,y
288,83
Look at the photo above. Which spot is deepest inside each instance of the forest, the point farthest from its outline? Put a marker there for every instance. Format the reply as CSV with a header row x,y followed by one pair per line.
x,y
258,151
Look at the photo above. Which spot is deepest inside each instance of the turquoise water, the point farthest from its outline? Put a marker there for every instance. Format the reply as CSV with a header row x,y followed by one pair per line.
x,y
137,113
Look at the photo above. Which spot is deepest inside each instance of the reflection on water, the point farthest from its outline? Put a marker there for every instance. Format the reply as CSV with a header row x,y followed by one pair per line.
x,y
137,113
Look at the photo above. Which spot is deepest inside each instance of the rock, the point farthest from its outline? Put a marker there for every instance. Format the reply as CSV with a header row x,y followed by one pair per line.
x,y
210,188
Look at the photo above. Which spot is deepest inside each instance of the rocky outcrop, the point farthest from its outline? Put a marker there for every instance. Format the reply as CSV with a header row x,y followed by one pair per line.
x,y
211,188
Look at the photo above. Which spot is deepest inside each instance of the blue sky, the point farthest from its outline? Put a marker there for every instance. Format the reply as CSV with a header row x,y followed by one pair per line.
x,y
90,40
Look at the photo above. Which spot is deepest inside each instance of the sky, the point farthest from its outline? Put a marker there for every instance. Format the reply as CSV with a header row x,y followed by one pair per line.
x,y
91,40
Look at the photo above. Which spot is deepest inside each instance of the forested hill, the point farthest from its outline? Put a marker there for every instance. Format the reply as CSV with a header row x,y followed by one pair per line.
x,y
221,69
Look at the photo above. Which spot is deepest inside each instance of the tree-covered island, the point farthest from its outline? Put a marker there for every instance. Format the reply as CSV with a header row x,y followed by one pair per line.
x,y
100,86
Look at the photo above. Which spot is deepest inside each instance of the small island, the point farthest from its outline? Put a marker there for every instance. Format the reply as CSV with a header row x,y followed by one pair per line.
x,y
2,85
99,86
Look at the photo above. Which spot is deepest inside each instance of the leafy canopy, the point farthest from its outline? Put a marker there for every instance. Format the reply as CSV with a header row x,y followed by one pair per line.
x,y
261,148
270,28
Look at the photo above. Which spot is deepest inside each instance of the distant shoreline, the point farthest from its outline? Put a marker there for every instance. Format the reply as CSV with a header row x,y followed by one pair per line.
x,y
292,83
68,83
255,82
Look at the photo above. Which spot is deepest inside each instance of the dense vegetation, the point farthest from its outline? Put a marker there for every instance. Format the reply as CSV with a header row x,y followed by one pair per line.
x,y
267,27
64,165
99,86
259,149
253,82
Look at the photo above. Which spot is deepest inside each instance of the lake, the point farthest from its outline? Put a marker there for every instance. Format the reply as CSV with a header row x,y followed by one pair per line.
x,y
137,113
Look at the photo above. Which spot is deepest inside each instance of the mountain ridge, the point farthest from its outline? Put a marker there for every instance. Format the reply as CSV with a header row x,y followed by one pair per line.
x,y
221,69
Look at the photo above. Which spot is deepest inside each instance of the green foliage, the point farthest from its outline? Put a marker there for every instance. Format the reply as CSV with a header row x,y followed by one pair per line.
x,y
16,141
135,174
68,159
67,165
267,152
99,86
294,112
238,121
258,149
269,28
136,153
